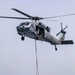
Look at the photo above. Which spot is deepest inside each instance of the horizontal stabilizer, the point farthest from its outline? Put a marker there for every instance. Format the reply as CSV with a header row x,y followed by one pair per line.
x,y
67,42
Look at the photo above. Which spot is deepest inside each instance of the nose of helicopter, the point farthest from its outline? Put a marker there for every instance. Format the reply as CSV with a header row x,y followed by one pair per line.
x,y
22,29
18,28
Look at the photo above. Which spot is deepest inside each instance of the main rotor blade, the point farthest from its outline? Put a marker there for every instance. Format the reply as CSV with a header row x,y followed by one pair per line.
x,y
21,12
13,17
52,20
60,16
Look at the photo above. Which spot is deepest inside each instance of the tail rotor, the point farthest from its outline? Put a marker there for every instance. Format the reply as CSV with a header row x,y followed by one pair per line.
x,y
62,30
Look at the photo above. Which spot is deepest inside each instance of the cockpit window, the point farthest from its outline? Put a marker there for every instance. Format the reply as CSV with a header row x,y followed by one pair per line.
x,y
25,23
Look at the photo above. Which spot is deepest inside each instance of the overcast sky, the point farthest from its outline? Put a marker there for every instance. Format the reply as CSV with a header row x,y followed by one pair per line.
x,y
18,58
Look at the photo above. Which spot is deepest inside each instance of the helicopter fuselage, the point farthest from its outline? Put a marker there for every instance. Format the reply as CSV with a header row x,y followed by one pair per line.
x,y
36,30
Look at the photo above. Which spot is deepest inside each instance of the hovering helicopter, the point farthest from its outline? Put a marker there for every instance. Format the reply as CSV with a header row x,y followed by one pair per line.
x,y
39,31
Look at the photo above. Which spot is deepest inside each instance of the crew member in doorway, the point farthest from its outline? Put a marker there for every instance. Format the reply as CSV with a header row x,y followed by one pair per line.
x,y
40,31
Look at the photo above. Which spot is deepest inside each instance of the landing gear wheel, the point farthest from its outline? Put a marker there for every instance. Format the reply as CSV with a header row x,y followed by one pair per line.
x,y
55,48
22,38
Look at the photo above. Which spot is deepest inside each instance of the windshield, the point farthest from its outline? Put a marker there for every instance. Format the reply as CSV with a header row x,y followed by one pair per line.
x,y
25,23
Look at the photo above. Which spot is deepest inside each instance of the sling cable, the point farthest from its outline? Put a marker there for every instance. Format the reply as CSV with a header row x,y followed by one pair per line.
x,y
37,68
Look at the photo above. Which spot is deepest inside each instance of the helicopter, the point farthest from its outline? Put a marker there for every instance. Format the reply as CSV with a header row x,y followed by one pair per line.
x,y
39,31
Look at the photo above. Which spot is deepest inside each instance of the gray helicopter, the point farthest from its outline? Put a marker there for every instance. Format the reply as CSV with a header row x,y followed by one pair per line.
x,y
39,31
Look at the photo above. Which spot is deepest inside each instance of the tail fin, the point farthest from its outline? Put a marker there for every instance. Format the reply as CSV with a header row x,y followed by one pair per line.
x,y
67,42
61,38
